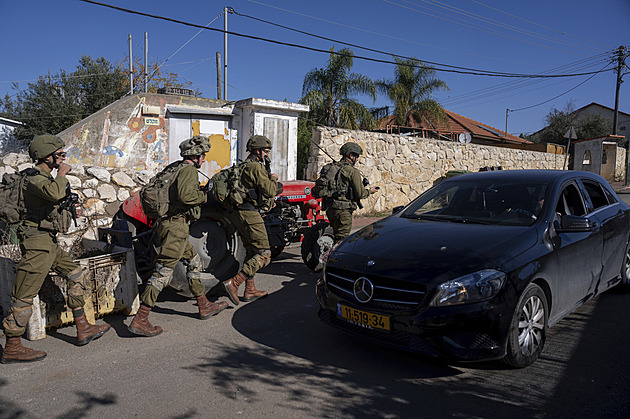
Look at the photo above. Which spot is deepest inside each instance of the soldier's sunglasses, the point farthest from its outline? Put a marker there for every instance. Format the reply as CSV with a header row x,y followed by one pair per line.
x,y
60,154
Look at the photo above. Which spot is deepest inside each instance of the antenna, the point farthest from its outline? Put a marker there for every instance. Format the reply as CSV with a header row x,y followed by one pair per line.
x,y
465,138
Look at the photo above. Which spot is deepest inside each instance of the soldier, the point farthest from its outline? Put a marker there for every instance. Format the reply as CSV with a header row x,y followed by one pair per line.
x,y
185,197
352,190
262,187
46,216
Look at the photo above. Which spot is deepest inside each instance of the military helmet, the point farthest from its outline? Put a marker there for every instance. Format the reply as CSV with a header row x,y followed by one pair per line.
x,y
195,146
258,141
44,145
349,148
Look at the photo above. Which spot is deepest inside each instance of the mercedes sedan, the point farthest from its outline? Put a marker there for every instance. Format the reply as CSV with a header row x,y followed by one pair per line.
x,y
479,266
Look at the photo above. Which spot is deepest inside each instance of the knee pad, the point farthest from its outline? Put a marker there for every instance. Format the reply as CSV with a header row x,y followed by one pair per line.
x,y
161,277
193,265
263,258
19,314
77,282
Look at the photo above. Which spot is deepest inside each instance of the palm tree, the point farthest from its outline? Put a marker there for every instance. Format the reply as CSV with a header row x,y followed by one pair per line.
x,y
327,92
411,91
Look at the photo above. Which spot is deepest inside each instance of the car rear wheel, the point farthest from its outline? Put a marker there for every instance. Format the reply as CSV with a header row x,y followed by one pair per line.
x,y
528,328
317,241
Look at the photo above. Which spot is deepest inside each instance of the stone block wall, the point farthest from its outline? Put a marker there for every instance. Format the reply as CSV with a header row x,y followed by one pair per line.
x,y
102,191
404,167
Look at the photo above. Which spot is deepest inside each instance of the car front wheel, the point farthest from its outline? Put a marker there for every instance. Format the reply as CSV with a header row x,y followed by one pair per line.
x,y
625,270
528,329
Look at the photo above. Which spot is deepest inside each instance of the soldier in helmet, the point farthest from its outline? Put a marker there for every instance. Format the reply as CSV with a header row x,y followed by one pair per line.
x,y
344,203
262,187
172,229
46,216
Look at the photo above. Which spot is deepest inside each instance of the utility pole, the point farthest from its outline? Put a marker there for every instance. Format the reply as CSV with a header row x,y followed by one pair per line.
x,y
218,75
506,119
130,68
146,60
225,57
620,65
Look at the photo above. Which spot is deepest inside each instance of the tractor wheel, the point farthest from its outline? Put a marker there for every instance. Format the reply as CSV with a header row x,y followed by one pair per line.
x,y
317,241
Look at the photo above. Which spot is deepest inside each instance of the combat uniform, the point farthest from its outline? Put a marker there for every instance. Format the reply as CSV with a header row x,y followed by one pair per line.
x,y
247,219
173,231
46,215
261,190
185,197
40,251
340,210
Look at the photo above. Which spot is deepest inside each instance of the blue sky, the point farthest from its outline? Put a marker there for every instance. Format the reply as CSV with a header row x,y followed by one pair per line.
x,y
524,37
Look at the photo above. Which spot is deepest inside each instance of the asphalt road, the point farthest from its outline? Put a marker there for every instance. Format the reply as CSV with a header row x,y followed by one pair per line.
x,y
273,358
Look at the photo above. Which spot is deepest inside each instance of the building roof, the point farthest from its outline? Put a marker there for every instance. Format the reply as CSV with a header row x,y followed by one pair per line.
x,y
616,138
456,124
601,106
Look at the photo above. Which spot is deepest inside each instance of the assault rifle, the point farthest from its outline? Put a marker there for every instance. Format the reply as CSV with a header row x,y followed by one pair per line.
x,y
69,203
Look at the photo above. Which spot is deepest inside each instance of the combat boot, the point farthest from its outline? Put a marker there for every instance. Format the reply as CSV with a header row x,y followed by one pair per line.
x,y
87,332
140,324
15,352
231,286
208,309
251,293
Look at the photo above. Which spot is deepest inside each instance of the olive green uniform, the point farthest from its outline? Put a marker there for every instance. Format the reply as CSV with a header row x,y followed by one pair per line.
x,y
172,231
247,219
340,210
40,251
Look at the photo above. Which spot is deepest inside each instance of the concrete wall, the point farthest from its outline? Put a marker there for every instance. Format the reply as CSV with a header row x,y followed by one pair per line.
x,y
614,168
403,167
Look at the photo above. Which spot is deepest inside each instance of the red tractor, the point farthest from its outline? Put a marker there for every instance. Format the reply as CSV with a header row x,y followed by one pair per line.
x,y
297,216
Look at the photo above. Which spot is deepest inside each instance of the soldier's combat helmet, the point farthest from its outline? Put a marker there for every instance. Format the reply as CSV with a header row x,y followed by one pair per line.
x,y
44,145
258,141
195,146
350,148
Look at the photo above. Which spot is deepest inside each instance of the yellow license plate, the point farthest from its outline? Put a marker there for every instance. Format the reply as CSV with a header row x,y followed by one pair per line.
x,y
363,318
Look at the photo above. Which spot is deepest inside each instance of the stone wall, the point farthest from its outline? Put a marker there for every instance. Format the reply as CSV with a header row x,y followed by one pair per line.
x,y
403,166
102,191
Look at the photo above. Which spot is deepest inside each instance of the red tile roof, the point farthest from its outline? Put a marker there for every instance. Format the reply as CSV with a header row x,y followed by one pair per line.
x,y
456,125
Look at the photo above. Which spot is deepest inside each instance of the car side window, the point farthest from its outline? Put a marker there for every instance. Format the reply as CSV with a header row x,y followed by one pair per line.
x,y
596,193
570,202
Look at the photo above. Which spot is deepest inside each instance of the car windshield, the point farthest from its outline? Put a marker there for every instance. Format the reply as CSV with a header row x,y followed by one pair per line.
x,y
517,203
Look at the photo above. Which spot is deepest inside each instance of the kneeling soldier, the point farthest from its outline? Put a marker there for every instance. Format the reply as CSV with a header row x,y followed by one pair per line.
x,y
46,216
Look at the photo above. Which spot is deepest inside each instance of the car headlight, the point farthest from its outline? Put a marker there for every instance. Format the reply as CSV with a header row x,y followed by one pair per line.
x,y
471,288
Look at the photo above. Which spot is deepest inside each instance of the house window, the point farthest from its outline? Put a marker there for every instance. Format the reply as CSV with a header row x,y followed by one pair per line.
x,y
587,157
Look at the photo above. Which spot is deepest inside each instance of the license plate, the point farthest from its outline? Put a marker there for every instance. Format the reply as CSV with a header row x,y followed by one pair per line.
x,y
363,318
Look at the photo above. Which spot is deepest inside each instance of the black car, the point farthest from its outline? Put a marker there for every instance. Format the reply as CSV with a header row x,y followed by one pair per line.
x,y
478,266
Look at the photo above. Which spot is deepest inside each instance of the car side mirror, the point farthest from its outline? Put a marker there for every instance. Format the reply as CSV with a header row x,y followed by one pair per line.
x,y
575,223
397,209
280,189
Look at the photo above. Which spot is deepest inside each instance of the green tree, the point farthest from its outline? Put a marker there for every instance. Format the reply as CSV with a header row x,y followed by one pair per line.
x,y
55,102
411,92
328,92
559,121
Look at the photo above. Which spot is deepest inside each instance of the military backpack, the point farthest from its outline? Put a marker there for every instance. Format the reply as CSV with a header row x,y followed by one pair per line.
x,y
329,183
13,209
226,186
155,195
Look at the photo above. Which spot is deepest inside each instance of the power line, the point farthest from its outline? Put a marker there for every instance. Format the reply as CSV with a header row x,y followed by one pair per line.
x,y
476,73
555,97
500,24
537,24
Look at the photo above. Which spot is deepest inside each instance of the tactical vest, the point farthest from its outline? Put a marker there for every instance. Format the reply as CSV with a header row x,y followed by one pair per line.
x,y
329,184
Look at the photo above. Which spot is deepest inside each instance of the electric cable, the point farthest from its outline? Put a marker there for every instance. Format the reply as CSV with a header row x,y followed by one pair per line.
x,y
476,73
